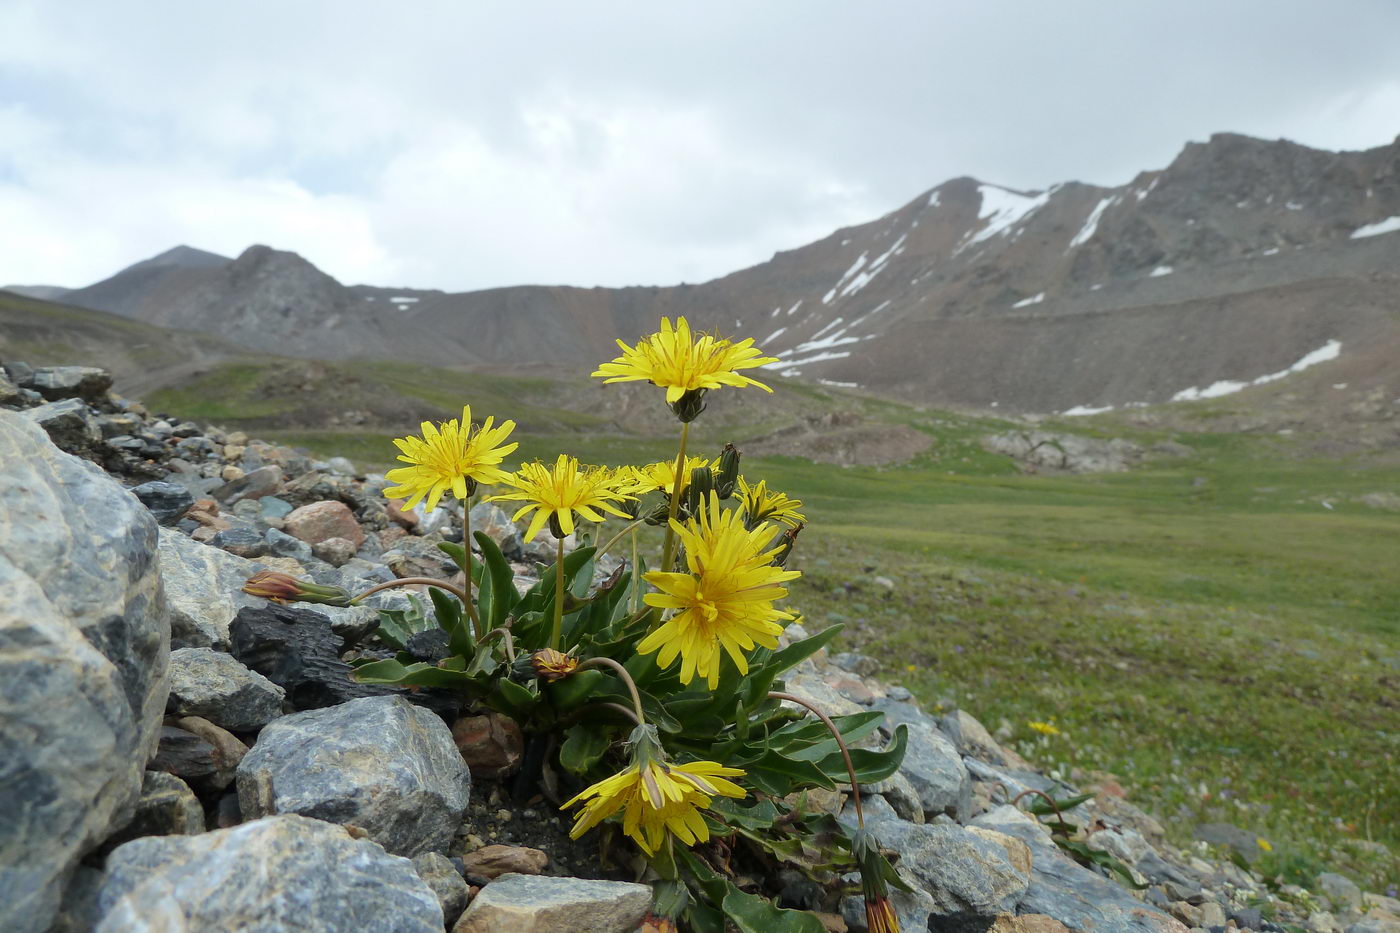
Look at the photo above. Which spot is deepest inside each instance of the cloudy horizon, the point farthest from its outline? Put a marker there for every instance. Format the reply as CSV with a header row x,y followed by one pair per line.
x,y
461,147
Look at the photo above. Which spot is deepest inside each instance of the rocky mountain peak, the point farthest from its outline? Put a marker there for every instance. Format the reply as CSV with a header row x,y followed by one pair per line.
x,y
187,257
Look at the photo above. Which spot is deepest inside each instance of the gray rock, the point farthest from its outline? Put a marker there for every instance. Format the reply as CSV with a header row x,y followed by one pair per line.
x,y
493,521
334,551
116,425
540,904
341,466
195,448
79,911
381,763
19,372
275,507
167,501
9,392
1070,453
186,429
937,773
971,737
862,665
877,810
1375,923
281,544
1340,890
202,754
214,686
900,794
244,542
255,484
963,872
68,424
913,908
1075,896
63,382
167,807
446,881
84,639
204,587
900,712
268,876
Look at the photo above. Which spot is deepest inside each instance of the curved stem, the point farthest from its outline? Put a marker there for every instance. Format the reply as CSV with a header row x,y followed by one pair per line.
x,y
416,581
626,678
510,641
556,633
668,549
1031,791
617,537
845,752
467,541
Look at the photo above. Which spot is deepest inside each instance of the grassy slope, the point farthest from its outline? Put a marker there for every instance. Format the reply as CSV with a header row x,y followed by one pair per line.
x,y
1204,627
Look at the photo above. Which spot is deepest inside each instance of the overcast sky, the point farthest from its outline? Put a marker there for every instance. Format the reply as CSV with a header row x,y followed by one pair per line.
x,y
464,145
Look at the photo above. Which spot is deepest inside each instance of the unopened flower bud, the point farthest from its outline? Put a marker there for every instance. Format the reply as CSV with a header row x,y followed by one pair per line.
x,y
728,474
658,515
789,539
702,481
551,665
283,588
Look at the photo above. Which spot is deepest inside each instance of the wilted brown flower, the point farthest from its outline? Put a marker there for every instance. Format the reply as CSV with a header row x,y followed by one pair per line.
x,y
551,665
283,588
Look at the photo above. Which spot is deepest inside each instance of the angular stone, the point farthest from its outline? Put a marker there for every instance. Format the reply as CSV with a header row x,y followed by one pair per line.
x,y
9,392
862,665
280,873
1340,890
971,737
84,638
204,587
199,752
68,424
493,521
281,544
255,484
912,908
318,521
334,551
494,861
241,541
937,773
167,501
215,686
167,807
438,872
63,382
536,904
899,792
1073,895
381,763
964,873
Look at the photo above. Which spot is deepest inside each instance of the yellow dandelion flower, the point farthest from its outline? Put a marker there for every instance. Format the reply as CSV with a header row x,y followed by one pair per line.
x,y
662,476
1044,728
761,504
561,492
656,797
1264,844
725,601
680,362
453,455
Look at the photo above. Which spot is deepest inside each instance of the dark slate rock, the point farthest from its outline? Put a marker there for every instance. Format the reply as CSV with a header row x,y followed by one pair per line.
x,y
116,425
195,448
167,501
84,636
379,763
61,382
241,541
281,544
280,873
298,650
431,646
68,424
167,807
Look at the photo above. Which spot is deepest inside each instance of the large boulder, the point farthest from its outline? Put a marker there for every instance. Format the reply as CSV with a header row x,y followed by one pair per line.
x,y
84,642
534,904
275,874
381,763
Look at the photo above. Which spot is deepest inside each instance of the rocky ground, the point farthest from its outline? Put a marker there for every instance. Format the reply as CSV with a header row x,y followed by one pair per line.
x,y
165,732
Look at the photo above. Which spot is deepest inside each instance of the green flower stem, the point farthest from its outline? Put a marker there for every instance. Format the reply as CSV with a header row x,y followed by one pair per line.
x,y
556,633
506,636
845,752
633,526
625,677
636,580
668,549
413,581
467,541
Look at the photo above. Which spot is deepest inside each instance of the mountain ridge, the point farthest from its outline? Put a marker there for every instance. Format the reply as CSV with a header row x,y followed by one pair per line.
x,y
1242,255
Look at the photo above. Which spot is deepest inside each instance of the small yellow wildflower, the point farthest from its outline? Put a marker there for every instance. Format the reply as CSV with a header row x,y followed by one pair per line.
x,y
1044,728
662,476
725,601
679,362
657,797
558,493
761,504
450,456
1264,844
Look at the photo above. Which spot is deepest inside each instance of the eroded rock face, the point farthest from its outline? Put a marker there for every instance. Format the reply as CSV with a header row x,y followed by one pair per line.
x,y
964,873
280,873
84,642
381,763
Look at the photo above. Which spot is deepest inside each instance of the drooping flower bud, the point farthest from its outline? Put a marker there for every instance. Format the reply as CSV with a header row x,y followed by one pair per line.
x,y
551,665
728,474
689,406
284,588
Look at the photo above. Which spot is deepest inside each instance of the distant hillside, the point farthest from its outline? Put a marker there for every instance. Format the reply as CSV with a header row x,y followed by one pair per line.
x,y
1241,259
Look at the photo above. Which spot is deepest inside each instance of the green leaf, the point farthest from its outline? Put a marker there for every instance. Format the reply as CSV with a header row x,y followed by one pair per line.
x,y
871,765
573,691
753,914
1042,807
760,680
776,774
513,699
502,583
422,674
583,746
457,552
